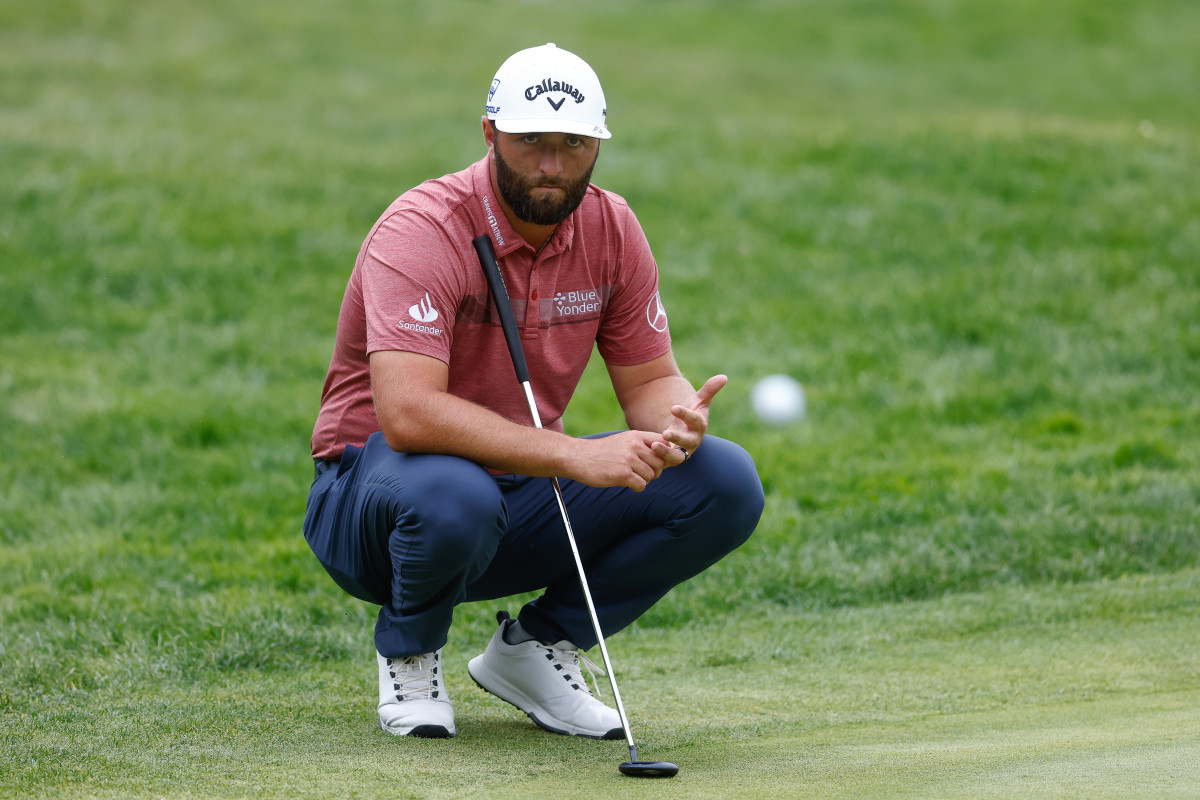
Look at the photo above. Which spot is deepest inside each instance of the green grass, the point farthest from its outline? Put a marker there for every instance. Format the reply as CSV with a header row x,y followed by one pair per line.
x,y
970,229
1087,691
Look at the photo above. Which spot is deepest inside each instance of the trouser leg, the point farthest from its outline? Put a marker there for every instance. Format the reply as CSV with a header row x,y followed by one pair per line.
x,y
409,532
635,546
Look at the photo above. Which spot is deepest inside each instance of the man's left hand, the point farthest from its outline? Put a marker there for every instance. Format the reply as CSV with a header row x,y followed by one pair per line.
x,y
690,424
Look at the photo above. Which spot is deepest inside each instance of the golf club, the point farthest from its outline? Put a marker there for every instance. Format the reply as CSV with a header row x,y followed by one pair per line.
x,y
508,322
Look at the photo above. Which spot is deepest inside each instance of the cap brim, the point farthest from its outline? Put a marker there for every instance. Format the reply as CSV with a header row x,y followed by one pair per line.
x,y
551,125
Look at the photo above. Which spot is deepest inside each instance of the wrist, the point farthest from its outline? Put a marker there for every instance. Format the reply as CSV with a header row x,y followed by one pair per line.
x,y
564,454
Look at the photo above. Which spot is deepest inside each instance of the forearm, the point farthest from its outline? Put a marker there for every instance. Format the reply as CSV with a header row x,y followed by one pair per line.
x,y
438,422
648,407
418,415
443,423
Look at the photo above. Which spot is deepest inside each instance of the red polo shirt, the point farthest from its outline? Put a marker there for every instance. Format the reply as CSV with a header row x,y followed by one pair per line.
x,y
417,286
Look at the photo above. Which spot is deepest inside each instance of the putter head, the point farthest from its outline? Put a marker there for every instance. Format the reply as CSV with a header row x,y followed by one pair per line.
x,y
649,769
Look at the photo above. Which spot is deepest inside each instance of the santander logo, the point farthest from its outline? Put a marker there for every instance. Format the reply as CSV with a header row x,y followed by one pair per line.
x,y
424,310
425,314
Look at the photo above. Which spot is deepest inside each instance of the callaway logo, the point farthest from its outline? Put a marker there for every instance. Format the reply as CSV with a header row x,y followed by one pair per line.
x,y
423,311
656,315
546,86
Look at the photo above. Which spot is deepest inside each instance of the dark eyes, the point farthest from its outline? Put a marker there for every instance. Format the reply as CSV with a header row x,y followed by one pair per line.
x,y
570,141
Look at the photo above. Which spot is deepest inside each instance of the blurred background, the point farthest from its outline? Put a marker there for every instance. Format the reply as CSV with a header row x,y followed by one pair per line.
x,y
971,231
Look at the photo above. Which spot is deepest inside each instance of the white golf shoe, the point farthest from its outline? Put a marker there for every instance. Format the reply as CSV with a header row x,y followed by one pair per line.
x,y
547,683
412,697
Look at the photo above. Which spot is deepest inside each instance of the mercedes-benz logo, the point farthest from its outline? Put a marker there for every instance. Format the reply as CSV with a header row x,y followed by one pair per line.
x,y
656,315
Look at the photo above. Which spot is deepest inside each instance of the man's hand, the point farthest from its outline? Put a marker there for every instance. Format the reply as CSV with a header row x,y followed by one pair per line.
x,y
634,458
630,459
689,425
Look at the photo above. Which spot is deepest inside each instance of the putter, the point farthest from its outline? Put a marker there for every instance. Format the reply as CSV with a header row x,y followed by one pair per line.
x,y
508,322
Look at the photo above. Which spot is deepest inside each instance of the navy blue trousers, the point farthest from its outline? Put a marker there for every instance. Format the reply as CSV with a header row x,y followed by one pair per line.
x,y
419,534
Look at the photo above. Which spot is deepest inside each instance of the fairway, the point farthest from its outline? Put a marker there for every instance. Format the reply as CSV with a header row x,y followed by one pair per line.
x,y
970,230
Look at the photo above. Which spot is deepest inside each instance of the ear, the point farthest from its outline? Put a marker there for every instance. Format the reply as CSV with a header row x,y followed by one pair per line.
x,y
489,132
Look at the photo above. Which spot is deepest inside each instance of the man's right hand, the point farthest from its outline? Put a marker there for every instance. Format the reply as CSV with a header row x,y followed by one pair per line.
x,y
623,459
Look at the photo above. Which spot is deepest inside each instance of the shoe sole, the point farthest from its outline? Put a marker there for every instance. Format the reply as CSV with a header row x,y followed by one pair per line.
x,y
421,732
499,685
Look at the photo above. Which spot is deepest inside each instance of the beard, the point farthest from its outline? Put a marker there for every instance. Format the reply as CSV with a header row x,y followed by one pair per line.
x,y
539,209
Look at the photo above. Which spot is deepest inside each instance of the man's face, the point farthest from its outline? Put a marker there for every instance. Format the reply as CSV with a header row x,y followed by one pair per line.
x,y
544,176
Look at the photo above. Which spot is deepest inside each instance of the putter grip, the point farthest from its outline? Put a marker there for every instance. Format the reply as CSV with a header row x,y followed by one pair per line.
x,y
508,322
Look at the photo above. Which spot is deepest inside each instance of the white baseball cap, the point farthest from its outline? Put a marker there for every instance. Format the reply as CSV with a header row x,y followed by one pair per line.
x,y
547,90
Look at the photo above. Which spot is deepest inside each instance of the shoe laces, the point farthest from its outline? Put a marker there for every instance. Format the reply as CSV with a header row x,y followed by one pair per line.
x,y
572,662
415,677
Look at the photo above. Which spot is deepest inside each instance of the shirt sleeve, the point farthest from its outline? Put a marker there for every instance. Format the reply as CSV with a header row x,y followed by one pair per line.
x,y
412,286
634,329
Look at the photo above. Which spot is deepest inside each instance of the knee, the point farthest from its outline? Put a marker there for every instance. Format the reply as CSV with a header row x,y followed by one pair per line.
x,y
449,502
735,492
454,516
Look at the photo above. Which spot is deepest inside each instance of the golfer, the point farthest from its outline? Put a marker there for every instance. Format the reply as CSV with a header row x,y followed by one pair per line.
x,y
430,485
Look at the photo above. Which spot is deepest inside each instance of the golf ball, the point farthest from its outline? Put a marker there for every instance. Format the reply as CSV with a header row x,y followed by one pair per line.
x,y
778,399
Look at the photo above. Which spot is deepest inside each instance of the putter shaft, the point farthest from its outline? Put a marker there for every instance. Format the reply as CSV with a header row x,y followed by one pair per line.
x,y
583,582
